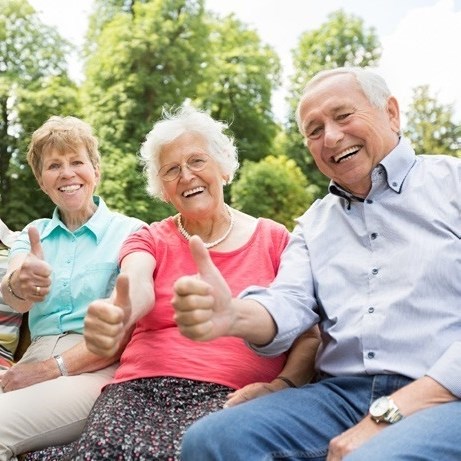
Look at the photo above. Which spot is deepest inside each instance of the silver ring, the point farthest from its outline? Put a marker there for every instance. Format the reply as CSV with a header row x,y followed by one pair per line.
x,y
37,291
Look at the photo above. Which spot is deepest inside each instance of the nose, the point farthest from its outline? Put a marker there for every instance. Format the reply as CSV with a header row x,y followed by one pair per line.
x,y
186,172
333,134
67,170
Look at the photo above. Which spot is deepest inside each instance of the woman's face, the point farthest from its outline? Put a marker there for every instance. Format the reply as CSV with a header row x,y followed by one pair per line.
x,y
69,179
192,193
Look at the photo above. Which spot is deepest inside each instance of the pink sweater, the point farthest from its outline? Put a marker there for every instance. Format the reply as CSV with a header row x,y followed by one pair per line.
x,y
158,349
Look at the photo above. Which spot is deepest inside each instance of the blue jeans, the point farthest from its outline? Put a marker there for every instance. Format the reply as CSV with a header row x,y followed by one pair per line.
x,y
297,424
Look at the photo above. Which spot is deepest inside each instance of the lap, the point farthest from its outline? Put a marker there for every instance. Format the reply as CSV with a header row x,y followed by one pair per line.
x,y
290,424
426,435
49,412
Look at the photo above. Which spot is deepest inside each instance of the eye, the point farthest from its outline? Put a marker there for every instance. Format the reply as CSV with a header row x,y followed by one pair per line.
x,y
315,133
343,116
77,162
53,166
196,162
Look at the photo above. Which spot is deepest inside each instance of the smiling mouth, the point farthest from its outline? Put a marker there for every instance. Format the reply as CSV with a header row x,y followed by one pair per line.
x,y
346,154
193,192
70,189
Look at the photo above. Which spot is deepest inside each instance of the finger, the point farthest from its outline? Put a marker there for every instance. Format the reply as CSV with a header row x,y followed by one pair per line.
x,y
188,285
122,296
202,258
35,245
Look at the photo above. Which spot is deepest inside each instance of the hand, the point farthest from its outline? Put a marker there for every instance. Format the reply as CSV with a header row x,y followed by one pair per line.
x,y
106,321
202,302
252,391
33,279
26,374
353,438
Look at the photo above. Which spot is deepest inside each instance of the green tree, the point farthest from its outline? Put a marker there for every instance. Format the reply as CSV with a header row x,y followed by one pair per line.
x,y
342,40
430,127
32,64
144,58
274,187
238,80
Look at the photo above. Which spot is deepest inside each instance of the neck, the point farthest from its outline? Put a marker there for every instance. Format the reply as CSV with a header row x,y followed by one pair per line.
x,y
186,234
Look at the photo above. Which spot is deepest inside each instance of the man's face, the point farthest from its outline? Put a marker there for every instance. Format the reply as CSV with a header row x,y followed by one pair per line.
x,y
346,135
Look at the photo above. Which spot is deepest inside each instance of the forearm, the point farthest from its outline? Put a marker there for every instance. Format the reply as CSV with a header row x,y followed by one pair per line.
x,y
423,393
79,359
252,322
11,290
300,365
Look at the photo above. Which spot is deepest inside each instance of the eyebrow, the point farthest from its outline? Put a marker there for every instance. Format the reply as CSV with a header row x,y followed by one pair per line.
x,y
334,110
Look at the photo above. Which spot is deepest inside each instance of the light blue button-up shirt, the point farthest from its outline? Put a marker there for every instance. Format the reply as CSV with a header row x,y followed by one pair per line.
x,y
382,276
84,263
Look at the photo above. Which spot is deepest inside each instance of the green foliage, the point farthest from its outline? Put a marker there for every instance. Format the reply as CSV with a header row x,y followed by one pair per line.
x,y
33,85
238,80
144,58
274,187
430,126
342,40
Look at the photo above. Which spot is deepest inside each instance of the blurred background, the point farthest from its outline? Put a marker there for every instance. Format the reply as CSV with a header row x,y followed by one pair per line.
x,y
117,63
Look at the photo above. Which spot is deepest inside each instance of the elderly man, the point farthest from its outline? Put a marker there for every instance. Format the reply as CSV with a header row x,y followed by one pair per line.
x,y
376,264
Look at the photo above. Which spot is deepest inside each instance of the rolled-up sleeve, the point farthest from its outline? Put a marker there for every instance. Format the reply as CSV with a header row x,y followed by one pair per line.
x,y
290,298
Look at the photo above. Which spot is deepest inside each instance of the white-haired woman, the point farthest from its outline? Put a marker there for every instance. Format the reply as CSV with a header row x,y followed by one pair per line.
x,y
166,381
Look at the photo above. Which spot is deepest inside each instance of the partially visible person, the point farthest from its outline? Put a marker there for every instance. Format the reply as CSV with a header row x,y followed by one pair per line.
x,y
376,264
10,320
56,268
165,381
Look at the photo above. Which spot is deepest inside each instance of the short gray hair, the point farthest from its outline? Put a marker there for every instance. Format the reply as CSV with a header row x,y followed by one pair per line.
x,y
187,119
374,87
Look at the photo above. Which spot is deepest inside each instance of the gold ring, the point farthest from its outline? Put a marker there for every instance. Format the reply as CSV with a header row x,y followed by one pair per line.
x,y
37,291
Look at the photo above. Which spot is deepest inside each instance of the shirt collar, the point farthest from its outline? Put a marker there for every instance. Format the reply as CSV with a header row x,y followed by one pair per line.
x,y
97,224
397,165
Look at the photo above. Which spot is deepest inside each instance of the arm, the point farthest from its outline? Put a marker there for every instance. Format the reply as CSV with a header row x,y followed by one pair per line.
x,y
206,310
78,359
422,393
299,369
109,323
25,273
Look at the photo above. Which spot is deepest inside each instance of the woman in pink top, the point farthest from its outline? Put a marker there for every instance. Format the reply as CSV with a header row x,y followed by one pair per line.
x,y
166,381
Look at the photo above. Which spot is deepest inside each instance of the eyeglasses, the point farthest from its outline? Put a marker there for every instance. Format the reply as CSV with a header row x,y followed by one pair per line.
x,y
171,171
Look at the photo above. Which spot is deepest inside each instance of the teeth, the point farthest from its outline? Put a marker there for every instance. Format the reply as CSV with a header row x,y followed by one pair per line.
x,y
346,152
193,191
71,188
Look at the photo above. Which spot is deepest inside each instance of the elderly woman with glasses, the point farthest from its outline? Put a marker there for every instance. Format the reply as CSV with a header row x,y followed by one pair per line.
x,y
166,381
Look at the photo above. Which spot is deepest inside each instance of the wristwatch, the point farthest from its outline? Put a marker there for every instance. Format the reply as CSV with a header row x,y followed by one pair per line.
x,y
385,410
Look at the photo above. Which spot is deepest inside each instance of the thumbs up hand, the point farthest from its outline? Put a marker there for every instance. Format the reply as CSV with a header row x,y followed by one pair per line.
x,y
33,281
106,321
203,302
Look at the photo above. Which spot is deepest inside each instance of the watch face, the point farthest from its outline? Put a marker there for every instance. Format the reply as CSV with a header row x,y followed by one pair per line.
x,y
379,407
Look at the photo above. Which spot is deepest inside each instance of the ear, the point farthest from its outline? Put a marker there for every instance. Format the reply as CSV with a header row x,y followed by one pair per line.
x,y
97,174
393,111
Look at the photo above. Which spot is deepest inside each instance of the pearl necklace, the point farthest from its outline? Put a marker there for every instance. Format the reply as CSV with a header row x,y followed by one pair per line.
x,y
215,242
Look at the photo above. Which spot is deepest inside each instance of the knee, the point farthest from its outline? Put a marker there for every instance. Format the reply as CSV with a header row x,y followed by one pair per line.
x,y
195,443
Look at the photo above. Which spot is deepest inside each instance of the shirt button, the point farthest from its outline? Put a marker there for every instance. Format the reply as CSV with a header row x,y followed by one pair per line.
x,y
374,235
374,271
369,200
371,355
394,184
371,310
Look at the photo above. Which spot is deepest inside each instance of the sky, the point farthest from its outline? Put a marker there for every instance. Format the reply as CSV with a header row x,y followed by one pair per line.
x,y
418,37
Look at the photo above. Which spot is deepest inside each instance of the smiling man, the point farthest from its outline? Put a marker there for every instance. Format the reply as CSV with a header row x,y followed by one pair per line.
x,y
376,265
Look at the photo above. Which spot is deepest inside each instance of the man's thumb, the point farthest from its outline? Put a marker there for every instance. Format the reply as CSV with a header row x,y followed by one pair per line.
x,y
35,245
122,295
